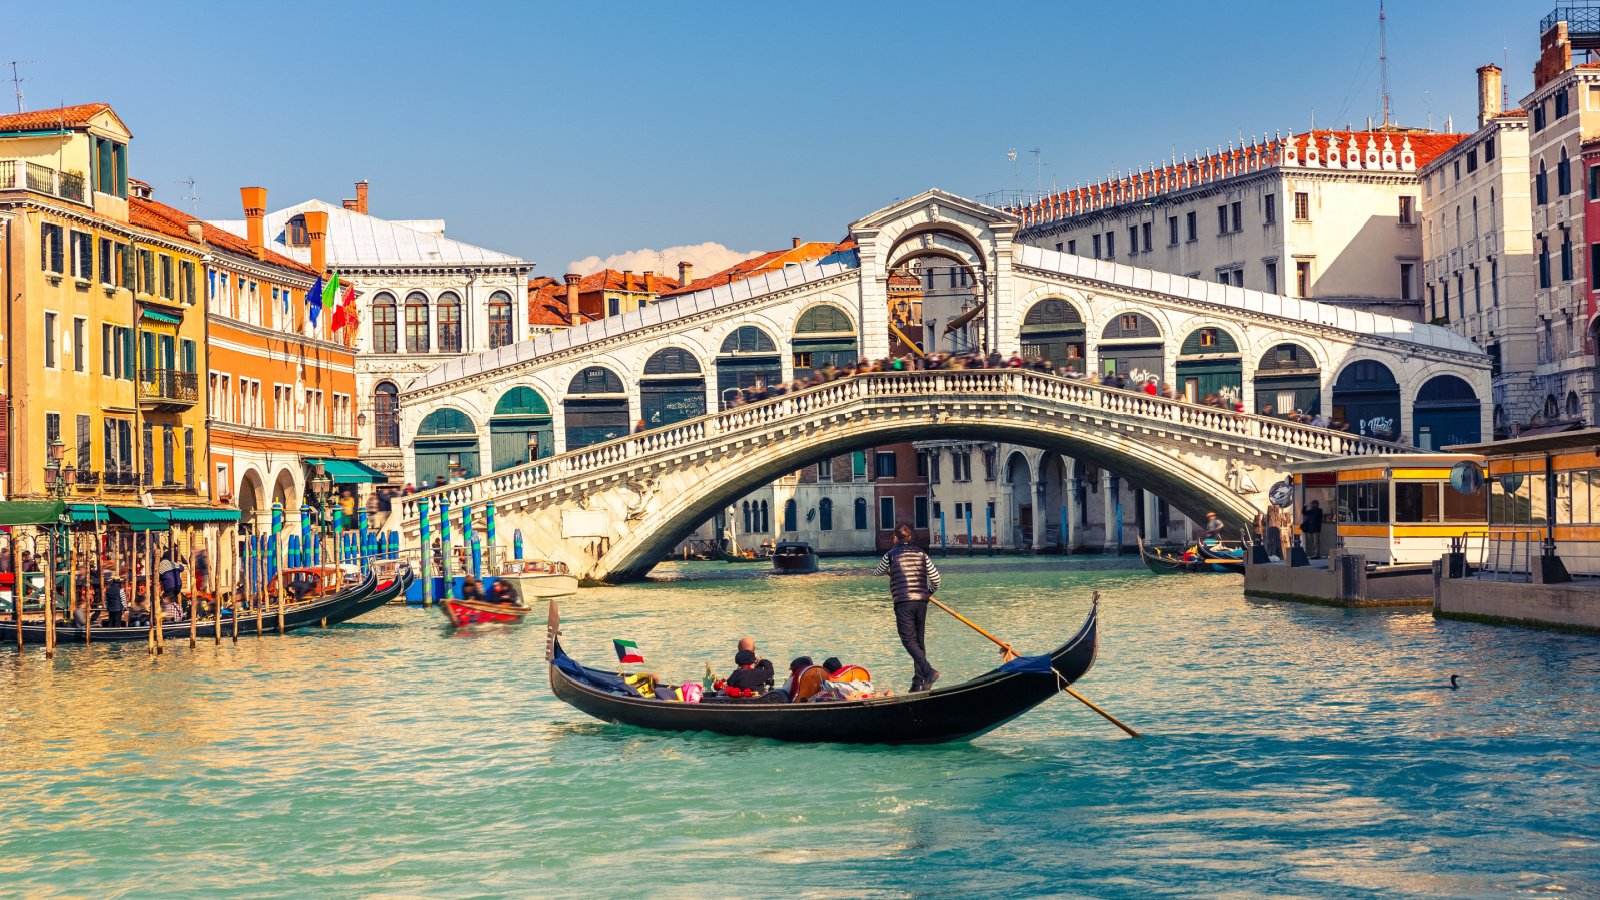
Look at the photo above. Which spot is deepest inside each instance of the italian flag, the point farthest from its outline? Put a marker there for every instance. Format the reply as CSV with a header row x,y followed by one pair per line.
x,y
627,652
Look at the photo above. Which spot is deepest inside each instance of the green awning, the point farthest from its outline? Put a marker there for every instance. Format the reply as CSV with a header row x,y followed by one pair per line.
x,y
89,512
189,515
156,315
138,518
350,471
31,512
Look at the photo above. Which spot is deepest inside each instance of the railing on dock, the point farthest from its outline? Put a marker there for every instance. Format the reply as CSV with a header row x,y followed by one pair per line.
x,y
1503,555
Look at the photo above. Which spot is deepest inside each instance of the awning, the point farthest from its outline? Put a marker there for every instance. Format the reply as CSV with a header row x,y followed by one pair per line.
x,y
31,512
188,515
138,518
960,322
89,512
350,471
156,315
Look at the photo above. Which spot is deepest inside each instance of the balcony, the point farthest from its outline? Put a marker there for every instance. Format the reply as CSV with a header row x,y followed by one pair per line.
x,y
168,390
21,175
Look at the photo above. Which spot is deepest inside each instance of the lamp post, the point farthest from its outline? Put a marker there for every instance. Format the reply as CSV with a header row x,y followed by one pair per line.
x,y
58,478
320,485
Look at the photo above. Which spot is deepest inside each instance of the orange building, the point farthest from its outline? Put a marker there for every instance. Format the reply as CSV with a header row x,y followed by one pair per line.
x,y
280,390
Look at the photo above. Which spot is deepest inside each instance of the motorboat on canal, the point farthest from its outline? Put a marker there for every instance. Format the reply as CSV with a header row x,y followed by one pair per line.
x,y
958,712
332,600
1163,562
464,613
793,558
539,579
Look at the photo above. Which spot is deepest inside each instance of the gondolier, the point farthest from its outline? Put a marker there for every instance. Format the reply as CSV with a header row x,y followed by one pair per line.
x,y
913,578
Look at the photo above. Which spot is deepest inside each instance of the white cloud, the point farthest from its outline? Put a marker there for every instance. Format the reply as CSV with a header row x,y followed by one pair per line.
x,y
706,258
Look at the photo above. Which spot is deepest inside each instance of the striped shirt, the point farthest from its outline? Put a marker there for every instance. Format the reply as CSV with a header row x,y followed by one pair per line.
x,y
912,575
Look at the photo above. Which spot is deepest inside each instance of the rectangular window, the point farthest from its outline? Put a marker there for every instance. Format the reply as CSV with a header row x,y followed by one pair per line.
x,y
884,465
1594,182
858,465
186,282
1488,149
147,271
1302,278
1097,246
52,255
1472,160
80,341
166,277
1408,210
82,255
919,515
1133,239
886,514
825,471
1072,248
1145,231
107,261
52,427
1236,211
1302,206
85,442
1272,277
922,463
1222,219
1208,337
1566,256
1408,280
169,453
188,458
50,340
1172,231
108,351
1269,208
1238,278
1191,226
149,454
989,461
1111,245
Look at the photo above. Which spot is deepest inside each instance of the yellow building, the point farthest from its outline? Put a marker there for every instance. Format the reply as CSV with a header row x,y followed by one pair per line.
x,y
103,337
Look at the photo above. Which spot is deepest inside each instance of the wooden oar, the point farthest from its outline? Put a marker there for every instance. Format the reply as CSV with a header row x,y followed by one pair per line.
x,y
1009,653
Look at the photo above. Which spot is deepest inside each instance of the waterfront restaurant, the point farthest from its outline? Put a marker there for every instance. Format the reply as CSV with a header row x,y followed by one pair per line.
x,y
1394,510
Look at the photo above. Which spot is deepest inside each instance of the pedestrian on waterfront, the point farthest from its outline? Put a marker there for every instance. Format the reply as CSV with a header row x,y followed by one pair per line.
x,y
1311,527
202,569
347,506
913,579
170,574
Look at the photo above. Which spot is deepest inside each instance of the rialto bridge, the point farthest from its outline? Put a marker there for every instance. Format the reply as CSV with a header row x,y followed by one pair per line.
x,y
609,502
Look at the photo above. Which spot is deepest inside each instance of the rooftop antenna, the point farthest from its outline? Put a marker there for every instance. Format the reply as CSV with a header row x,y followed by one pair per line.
x,y
192,197
1016,182
1505,63
1383,58
17,80
1038,169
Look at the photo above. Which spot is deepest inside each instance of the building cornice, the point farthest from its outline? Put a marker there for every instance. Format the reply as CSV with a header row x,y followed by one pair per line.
x,y
260,269
516,270
289,338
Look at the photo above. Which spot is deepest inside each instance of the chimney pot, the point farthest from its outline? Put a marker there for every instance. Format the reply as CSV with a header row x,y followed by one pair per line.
x,y
361,196
349,203
255,207
1488,93
796,244
572,297
649,278
317,231
685,274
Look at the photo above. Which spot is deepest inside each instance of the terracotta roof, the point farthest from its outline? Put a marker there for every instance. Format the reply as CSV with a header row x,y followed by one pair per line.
x,y
45,119
547,303
765,262
1518,113
1426,146
174,222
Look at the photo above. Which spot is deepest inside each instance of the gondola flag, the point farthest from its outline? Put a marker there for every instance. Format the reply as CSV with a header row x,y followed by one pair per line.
x,y
627,652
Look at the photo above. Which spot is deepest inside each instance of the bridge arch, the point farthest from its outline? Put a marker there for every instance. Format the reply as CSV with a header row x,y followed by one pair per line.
x,y
1054,329
1366,395
672,387
596,407
446,447
1209,363
1447,412
1288,377
747,357
942,237
824,335
521,429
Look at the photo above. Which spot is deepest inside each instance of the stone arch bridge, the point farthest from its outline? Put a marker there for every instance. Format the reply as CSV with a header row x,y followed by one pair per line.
x,y
610,511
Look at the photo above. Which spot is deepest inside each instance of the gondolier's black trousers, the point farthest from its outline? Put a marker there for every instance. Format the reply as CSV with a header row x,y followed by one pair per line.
x,y
911,618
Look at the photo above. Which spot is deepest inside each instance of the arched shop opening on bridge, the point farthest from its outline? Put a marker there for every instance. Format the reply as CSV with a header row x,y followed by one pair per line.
x,y
823,337
1130,346
596,408
672,389
1020,478
521,429
1287,379
1209,364
1053,330
1446,413
446,447
1367,397
749,359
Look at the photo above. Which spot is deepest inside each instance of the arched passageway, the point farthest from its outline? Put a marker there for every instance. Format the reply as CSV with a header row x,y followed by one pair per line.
x,y
1368,398
521,429
1053,330
446,447
748,360
1020,521
1287,379
1447,413
1130,346
596,408
673,388
1209,364
823,337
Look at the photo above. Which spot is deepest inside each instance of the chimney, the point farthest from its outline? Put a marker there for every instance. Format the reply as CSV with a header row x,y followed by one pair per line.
x,y
649,282
361,196
572,298
627,279
197,232
255,206
685,274
1488,93
349,203
796,244
317,230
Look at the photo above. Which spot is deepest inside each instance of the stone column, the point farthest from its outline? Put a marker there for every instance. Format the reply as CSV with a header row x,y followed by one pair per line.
x,y
1110,485
1069,489
1152,517
1041,515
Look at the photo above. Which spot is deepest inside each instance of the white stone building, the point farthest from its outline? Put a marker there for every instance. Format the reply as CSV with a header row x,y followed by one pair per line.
x,y
1325,215
1478,268
424,299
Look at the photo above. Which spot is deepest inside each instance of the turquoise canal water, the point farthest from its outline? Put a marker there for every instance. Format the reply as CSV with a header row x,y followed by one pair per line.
x,y
1292,750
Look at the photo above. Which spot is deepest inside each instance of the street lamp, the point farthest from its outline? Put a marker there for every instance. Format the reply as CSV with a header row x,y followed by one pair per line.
x,y
58,478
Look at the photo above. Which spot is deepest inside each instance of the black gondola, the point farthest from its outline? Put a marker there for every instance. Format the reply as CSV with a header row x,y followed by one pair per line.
x,y
958,712
1163,563
1219,562
335,607
793,558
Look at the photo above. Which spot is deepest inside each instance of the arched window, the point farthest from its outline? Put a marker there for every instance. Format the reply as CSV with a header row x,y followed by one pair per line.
x,y
416,322
1541,186
1474,218
748,525
825,319
749,339
500,327
383,324
595,380
672,361
1564,174
386,411
766,521
449,322
791,516
825,514
861,514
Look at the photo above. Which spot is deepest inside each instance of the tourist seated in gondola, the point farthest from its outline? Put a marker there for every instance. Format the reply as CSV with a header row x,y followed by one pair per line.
x,y
301,584
503,593
838,671
139,615
805,679
751,676
172,610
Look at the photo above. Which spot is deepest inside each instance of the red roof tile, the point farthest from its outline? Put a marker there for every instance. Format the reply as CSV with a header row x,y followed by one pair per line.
x,y
765,262
173,222
44,119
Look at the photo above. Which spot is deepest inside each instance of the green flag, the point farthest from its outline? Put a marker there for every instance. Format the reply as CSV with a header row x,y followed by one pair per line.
x,y
330,294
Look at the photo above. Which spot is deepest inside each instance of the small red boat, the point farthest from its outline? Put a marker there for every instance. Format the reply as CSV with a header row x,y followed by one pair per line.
x,y
470,612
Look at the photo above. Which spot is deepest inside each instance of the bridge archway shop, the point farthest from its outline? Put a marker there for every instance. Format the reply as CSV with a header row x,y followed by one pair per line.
x,y
1209,363
672,389
596,408
1447,414
1131,346
1367,397
1287,379
823,337
521,421
446,447
1053,329
748,358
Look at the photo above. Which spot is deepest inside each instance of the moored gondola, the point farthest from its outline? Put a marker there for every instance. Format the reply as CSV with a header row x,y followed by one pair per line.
x,y
1220,557
958,712
1164,563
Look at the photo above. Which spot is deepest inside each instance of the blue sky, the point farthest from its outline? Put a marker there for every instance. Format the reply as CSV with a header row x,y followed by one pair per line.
x,y
558,132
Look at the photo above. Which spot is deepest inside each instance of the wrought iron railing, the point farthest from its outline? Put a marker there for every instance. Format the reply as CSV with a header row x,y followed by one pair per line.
x,y
1581,17
169,385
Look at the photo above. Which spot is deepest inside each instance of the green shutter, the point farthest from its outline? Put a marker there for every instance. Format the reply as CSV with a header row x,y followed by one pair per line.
x,y
188,356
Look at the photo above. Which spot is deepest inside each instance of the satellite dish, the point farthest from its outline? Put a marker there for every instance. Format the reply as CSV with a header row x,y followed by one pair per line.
x,y
1282,494
1466,477
1511,483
